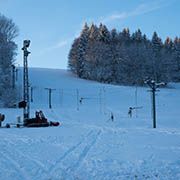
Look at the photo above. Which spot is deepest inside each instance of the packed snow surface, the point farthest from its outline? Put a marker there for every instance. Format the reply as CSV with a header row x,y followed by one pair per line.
x,y
97,139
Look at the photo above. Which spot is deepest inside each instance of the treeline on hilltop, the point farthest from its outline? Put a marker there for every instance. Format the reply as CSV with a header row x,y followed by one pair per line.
x,y
123,58
8,31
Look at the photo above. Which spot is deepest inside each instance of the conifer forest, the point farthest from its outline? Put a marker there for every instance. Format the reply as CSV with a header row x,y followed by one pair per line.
x,y
116,57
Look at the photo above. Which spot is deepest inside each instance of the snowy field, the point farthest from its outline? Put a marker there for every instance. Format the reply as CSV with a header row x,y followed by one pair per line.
x,y
89,145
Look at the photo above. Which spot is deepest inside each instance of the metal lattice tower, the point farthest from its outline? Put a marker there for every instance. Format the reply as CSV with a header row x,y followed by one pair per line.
x,y
26,44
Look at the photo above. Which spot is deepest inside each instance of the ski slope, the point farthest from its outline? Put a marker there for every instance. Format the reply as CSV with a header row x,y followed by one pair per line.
x,y
89,145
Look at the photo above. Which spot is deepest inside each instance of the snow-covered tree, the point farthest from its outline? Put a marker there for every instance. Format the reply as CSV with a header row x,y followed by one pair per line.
x,y
124,36
115,54
176,59
77,52
104,34
113,57
156,58
8,31
73,56
137,36
93,33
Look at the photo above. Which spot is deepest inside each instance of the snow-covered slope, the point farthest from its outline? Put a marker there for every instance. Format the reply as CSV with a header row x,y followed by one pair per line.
x,y
88,144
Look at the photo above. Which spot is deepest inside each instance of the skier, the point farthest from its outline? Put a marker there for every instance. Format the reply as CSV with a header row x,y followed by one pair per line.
x,y
81,100
112,117
130,112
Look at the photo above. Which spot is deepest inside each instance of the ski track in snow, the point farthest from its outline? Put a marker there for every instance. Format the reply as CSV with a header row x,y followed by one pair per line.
x,y
70,150
83,147
86,149
88,145
20,158
15,165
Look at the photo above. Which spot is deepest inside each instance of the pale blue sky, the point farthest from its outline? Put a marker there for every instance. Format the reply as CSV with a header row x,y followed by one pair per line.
x,y
51,25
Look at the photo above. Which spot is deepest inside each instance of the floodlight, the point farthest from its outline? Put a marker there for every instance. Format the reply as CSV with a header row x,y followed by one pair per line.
x,y
26,43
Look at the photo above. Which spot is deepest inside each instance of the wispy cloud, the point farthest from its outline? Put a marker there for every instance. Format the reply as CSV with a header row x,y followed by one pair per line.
x,y
56,46
141,9
60,44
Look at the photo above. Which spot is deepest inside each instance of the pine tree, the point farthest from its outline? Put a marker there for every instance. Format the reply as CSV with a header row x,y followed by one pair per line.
x,y
168,44
156,59
72,57
124,36
104,34
156,43
77,52
177,59
136,53
83,41
167,56
93,33
137,36
92,50
112,57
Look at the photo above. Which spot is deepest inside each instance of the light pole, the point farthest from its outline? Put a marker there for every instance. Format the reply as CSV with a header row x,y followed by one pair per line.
x,y
32,93
26,44
50,94
16,72
153,85
13,75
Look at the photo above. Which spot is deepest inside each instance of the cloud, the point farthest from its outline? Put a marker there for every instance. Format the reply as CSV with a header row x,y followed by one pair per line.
x,y
117,16
59,45
56,46
141,9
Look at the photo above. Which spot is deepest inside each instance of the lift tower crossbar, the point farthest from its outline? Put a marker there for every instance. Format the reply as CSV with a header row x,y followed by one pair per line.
x,y
26,44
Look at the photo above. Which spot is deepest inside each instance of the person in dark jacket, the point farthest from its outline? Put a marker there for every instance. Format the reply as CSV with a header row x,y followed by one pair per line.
x,y
130,112
2,117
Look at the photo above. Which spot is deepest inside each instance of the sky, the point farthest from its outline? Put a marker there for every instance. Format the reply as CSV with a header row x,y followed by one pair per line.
x,y
52,25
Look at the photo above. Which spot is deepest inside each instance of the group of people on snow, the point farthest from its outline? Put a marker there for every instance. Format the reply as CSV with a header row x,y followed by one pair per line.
x,y
40,117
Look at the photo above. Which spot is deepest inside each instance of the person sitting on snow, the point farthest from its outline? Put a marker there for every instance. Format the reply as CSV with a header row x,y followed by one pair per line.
x,y
37,115
42,117
38,119
41,114
2,117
